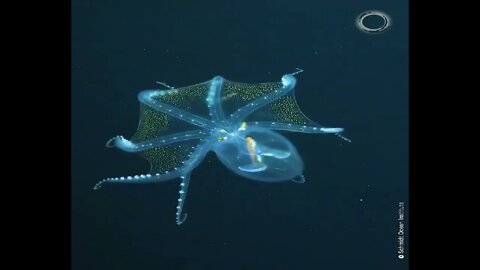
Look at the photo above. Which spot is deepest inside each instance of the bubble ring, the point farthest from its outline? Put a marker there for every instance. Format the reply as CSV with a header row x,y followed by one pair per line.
x,y
387,21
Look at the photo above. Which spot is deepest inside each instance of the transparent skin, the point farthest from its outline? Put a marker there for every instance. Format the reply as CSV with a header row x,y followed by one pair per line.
x,y
259,154
250,147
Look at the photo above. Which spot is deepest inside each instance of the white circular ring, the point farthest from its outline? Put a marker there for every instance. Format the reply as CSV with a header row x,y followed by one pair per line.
x,y
387,21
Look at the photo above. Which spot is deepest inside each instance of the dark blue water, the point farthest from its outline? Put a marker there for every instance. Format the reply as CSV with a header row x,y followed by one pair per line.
x,y
343,217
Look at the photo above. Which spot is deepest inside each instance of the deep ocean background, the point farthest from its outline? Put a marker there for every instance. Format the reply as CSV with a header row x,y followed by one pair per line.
x,y
343,217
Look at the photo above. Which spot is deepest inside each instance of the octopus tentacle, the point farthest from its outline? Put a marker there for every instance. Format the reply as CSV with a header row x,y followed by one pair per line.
x,y
181,200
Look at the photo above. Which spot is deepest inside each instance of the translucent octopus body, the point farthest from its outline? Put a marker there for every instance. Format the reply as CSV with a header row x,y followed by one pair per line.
x,y
237,121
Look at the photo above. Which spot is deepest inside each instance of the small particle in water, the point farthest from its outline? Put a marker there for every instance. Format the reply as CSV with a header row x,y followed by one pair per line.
x,y
316,53
361,200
